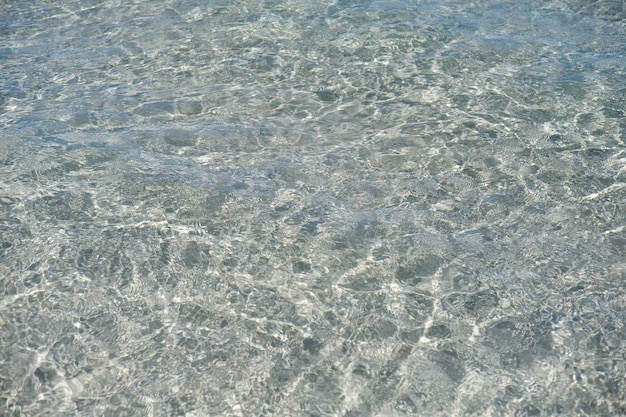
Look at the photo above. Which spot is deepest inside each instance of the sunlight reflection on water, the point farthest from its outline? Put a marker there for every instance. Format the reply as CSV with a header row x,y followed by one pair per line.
x,y
326,209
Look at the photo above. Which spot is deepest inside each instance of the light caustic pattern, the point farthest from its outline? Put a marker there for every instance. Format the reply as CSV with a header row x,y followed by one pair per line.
x,y
312,208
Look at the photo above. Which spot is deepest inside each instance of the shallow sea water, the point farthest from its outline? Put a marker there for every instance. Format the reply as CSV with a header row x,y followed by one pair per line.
x,y
294,208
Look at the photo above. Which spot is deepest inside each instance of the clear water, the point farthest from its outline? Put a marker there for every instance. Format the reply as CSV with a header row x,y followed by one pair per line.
x,y
298,208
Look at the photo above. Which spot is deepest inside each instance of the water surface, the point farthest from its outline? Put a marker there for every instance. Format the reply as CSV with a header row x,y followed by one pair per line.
x,y
331,208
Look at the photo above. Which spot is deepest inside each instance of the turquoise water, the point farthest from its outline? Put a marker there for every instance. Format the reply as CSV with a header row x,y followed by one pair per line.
x,y
333,208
